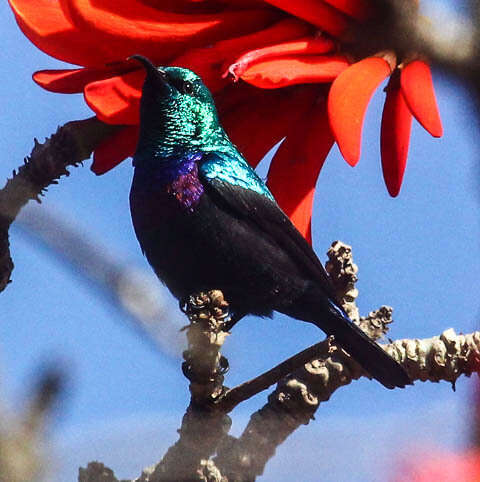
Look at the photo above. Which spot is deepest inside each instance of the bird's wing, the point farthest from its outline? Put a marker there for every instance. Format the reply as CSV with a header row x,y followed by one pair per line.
x,y
234,186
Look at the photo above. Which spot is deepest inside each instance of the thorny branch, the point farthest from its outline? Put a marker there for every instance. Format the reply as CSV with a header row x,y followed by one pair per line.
x,y
297,397
239,394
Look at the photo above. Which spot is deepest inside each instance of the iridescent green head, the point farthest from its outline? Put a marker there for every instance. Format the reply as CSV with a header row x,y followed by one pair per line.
x,y
177,113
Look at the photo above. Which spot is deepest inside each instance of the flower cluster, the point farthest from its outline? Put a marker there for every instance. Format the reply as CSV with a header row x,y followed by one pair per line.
x,y
277,68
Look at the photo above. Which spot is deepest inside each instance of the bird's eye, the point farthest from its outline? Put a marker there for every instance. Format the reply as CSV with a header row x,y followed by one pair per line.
x,y
188,88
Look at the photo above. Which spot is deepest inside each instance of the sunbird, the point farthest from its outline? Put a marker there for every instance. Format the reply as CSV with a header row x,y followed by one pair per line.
x,y
205,220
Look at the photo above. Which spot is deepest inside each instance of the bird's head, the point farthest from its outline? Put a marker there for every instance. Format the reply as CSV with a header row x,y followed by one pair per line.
x,y
177,112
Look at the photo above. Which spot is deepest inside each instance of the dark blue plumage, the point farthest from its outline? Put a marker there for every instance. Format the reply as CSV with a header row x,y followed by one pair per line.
x,y
205,220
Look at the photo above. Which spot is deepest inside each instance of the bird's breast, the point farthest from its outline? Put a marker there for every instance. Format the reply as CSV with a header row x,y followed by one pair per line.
x,y
163,209
186,189
162,191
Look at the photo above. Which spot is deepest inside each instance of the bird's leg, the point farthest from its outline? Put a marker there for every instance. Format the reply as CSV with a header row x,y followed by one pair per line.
x,y
234,319
182,304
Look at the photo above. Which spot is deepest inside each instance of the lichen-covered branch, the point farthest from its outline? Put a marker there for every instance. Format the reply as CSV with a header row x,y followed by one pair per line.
x,y
69,146
298,396
246,390
204,424
343,274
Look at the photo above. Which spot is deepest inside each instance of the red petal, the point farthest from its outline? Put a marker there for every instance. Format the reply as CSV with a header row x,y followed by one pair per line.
x,y
72,81
349,96
205,61
237,3
115,149
116,100
417,88
295,168
395,136
208,61
305,46
284,71
200,6
286,29
315,12
256,120
44,23
358,9
126,27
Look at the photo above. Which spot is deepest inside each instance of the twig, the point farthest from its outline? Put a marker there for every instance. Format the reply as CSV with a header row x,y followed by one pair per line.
x,y
375,324
240,393
204,365
343,274
49,387
69,146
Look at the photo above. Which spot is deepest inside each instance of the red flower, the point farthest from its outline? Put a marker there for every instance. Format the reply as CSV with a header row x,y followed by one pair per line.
x,y
280,50
409,93
442,467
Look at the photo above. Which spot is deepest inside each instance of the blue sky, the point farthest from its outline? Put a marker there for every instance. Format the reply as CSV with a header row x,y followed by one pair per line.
x,y
419,253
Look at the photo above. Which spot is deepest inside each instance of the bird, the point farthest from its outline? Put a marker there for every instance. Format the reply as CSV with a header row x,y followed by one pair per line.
x,y
205,220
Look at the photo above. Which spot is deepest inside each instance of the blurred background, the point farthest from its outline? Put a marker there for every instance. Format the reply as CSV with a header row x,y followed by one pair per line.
x,y
418,253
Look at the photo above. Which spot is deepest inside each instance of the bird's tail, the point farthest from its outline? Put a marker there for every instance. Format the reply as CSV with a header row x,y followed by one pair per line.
x,y
376,361
363,349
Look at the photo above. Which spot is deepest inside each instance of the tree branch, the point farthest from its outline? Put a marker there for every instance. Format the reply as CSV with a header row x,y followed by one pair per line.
x,y
235,396
69,146
20,455
204,424
298,396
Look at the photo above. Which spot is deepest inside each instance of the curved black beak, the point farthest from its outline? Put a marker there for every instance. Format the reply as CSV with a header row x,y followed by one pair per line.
x,y
153,73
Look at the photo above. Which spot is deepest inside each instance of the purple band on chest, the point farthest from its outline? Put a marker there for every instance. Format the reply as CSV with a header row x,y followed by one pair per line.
x,y
186,187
